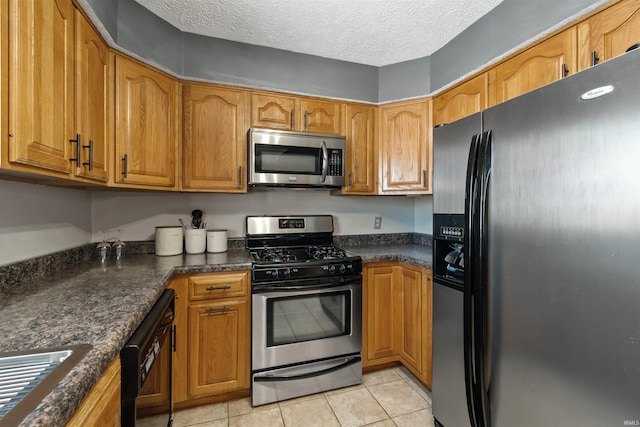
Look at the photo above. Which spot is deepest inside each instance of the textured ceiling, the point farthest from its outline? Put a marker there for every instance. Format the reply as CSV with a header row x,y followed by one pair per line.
x,y
372,32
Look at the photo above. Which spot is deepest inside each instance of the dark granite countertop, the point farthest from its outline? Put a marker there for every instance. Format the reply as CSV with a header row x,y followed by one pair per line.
x,y
419,255
96,304
102,304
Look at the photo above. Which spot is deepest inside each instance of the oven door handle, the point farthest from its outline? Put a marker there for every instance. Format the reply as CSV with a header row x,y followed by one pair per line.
x,y
348,361
278,288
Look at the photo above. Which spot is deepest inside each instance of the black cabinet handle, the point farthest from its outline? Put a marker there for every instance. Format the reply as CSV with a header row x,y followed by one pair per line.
x,y
564,71
78,143
90,147
218,288
594,58
124,166
217,310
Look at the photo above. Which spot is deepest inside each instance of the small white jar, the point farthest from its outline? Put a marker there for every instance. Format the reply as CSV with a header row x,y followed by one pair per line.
x,y
216,241
168,240
195,240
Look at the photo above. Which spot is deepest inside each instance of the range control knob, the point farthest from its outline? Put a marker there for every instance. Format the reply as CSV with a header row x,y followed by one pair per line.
x,y
285,272
272,273
331,268
342,268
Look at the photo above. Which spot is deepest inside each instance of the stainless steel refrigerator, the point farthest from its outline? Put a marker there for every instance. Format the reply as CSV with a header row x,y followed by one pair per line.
x,y
537,257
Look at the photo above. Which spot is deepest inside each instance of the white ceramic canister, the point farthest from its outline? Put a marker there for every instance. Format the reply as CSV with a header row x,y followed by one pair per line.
x,y
216,241
195,240
168,240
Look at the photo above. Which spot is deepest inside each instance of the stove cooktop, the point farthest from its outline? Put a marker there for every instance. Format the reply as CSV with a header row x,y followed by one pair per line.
x,y
279,255
300,247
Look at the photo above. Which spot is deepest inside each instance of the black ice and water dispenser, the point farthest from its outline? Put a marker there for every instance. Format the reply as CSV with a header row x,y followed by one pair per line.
x,y
448,259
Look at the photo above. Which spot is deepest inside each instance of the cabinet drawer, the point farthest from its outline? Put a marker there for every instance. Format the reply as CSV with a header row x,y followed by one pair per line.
x,y
218,285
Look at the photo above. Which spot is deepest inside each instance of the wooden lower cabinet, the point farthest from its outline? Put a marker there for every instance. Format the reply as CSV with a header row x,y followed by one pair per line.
x,y
101,407
397,319
213,347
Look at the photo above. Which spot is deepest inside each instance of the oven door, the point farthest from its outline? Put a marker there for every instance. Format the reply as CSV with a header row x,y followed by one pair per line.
x,y
307,324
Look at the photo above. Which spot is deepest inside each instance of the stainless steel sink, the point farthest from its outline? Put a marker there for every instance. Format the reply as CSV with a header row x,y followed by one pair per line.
x,y
27,377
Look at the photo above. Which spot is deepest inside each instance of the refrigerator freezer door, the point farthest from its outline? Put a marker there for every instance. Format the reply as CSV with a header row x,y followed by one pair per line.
x,y
448,396
564,250
450,153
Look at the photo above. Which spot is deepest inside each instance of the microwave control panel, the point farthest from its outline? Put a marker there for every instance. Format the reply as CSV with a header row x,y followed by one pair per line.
x,y
335,162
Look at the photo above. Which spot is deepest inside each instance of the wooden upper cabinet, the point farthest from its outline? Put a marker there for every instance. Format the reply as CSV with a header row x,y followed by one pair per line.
x,y
608,33
214,138
360,164
146,126
405,147
283,112
463,100
41,84
320,116
537,66
272,111
92,106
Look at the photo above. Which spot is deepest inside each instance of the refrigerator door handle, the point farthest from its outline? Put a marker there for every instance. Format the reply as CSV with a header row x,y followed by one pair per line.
x,y
470,255
480,284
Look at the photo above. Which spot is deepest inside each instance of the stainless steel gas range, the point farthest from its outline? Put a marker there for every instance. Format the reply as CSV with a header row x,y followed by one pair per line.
x,y
306,315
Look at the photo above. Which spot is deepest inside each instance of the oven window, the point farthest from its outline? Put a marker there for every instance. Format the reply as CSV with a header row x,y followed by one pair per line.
x,y
310,317
288,159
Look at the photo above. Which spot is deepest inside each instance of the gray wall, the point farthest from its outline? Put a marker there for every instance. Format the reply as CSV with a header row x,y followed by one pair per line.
x,y
147,35
197,57
405,80
107,13
511,23
261,67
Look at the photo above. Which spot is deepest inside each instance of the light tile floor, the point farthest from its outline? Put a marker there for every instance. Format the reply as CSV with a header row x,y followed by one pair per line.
x,y
386,398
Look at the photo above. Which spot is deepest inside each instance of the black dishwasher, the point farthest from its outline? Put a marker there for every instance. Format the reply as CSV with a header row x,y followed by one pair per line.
x,y
146,367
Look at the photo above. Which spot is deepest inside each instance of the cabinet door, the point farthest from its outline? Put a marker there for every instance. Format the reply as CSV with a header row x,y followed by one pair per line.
x,y
214,139
101,407
537,66
609,33
92,102
41,83
146,118
360,161
320,116
382,320
219,348
181,327
405,148
273,111
409,295
461,101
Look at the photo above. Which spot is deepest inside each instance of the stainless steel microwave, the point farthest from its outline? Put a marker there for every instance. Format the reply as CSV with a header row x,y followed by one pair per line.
x,y
293,159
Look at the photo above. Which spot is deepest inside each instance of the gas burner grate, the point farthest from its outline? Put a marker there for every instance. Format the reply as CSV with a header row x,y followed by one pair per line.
x,y
325,252
277,255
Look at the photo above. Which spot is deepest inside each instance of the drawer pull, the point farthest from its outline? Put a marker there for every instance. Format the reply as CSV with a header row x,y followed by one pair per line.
x,y
217,310
218,288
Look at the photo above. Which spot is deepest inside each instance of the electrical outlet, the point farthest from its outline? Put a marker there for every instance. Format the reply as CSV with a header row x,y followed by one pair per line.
x,y
377,222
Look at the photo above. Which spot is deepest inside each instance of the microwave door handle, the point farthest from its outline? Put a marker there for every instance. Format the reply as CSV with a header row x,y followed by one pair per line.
x,y
325,160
